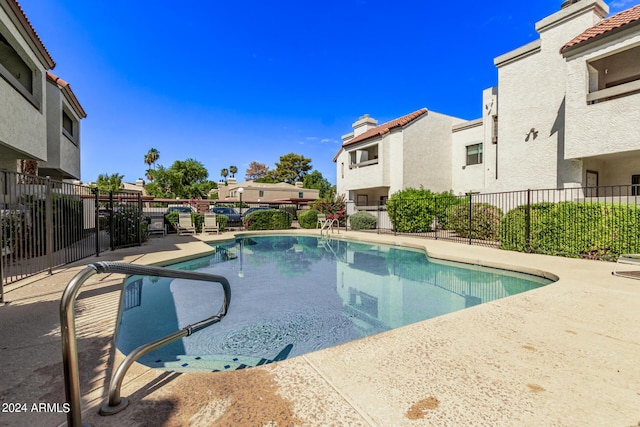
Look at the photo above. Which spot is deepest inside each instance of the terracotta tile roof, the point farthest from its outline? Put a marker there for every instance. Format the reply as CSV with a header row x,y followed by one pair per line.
x,y
386,127
605,26
49,63
66,88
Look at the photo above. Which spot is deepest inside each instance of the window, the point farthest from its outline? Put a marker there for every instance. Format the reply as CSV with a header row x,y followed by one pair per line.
x,y
363,157
614,75
261,193
16,67
300,195
635,182
67,123
474,154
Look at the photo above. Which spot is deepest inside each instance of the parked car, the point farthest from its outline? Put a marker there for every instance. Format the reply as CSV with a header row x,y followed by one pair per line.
x,y
182,208
234,217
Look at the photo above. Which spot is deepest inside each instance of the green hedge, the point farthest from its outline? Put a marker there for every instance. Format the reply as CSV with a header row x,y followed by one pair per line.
x,y
363,221
413,210
308,219
485,221
577,229
272,219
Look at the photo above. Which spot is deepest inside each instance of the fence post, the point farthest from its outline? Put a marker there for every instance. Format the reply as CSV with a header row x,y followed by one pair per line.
x,y
96,213
470,215
378,221
436,221
395,217
139,219
4,190
527,223
111,225
48,206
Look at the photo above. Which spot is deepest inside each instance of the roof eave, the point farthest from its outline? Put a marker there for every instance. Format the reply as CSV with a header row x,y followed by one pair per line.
x,y
31,36
600,38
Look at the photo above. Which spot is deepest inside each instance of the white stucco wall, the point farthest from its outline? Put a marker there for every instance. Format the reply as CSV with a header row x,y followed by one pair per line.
x,y
361,177
467,178
532,83
427,152
606,127
22,125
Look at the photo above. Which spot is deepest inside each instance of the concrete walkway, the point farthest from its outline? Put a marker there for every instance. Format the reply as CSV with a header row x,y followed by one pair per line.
x,y
566,354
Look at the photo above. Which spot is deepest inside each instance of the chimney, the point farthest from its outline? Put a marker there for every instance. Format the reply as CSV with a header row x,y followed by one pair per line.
x,y
363,124
231,180
298,184
568,3
139,182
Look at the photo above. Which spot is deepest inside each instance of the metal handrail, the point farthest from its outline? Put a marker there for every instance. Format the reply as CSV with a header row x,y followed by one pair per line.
x,y
68,331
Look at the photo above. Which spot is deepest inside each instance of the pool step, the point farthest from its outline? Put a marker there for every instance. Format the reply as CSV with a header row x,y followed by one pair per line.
x,y
216,362
208,363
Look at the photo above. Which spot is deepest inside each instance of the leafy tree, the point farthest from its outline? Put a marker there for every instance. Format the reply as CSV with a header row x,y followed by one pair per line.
x,y
224,173
255,171
291,168
184,179
316,181
109,183
233,170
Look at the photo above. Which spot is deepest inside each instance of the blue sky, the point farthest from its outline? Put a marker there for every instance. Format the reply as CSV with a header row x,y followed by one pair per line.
x,y
228,83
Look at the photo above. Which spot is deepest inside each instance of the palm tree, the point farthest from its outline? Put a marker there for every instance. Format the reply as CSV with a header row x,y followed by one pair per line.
x,y
150,174
233,170
152,157
224,172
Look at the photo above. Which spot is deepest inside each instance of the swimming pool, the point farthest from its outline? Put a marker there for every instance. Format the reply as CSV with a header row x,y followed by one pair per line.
x,y
295,294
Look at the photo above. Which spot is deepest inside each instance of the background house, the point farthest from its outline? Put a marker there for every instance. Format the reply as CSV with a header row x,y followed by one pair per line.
x,y
39,114
260,192
377,160
564,114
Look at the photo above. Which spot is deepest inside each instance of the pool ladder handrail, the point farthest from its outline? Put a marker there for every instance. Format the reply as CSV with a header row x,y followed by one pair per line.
x,y
117,403
328,225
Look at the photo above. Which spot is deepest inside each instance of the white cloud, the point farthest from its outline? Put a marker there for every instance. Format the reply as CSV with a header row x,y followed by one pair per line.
x,y
618,5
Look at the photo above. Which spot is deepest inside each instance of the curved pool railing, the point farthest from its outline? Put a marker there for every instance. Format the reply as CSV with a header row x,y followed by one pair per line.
x,y
68,331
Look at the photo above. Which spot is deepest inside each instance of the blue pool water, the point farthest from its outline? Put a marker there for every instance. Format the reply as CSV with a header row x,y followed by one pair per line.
x,y
295,294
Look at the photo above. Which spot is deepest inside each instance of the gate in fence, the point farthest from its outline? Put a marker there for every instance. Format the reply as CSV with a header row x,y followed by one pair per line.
x,y
46,223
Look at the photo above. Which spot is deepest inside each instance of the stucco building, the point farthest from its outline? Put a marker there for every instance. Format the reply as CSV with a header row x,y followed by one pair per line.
x,y
261,192
39,113
565,113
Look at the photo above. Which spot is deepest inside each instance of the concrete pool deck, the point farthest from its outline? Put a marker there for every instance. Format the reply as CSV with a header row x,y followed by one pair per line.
x,y
565,354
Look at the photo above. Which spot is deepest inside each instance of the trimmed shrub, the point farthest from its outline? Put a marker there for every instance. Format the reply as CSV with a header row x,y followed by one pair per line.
x,y
413,211
223,220
308,219
575,229
485,221
363,221
272,219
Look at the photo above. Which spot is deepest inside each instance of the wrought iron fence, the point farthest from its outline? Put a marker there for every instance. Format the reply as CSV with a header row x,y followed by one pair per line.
x,y
46,223
590,222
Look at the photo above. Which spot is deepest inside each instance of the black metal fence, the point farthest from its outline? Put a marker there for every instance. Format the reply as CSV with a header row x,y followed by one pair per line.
x,y
592,222
46,223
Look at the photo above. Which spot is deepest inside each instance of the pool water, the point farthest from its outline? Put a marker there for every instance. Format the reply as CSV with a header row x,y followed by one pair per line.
x,y
295,294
